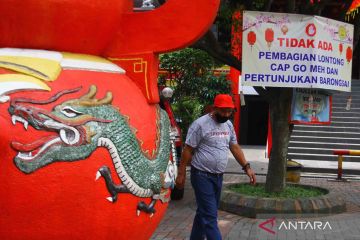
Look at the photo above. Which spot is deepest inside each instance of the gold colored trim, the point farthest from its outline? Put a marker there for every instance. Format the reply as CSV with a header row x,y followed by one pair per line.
x,y
137,61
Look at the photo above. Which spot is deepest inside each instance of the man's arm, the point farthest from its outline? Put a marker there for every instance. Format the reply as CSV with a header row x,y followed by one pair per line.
x,y
186,156
240,158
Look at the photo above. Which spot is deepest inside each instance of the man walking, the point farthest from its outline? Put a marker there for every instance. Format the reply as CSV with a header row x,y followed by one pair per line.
x,y
208,141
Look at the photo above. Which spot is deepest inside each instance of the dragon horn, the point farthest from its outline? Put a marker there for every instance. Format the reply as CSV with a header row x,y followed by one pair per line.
x,y
106,100
50,100
89,98
90,94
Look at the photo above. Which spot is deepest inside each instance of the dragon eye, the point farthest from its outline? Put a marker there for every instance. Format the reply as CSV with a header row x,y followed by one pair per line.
x,y
70,112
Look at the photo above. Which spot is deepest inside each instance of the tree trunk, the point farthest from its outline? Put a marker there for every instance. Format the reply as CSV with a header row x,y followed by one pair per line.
x,y
279,116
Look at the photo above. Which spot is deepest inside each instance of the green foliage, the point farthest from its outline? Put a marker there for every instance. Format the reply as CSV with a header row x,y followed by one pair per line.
x,y
187,109
291,191
190,73
213,86
224,15
258,4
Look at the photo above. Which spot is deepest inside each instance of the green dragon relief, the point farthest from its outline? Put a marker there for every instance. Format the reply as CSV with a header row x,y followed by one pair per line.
x,y
86,123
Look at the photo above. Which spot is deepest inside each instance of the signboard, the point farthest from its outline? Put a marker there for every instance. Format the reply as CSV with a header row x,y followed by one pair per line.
x,y
309,106
298,51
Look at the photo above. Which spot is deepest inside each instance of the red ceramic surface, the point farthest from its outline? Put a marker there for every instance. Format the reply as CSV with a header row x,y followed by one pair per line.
x,y
63,200
84,26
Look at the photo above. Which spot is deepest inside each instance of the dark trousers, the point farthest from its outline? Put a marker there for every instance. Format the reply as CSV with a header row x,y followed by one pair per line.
x,y
207,188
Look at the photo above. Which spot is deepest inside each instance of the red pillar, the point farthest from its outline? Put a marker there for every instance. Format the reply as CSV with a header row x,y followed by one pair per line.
x,y
236,50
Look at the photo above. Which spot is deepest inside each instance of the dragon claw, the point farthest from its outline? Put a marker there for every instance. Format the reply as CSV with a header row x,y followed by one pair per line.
x,y
138,213
151,215
110,199
98,175
146,208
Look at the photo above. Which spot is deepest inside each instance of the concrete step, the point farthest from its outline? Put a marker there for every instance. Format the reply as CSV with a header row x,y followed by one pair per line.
x,y
342,109
317,142
353,111
343,103
343,100
326,128
321,157
324,136
339,127
322,145
345,122
345,113
312,150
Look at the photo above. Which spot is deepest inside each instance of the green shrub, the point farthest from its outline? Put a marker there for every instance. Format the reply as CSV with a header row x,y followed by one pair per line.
x,y
190,74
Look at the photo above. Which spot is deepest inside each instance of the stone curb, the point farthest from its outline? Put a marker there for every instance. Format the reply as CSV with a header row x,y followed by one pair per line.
x,y
249,206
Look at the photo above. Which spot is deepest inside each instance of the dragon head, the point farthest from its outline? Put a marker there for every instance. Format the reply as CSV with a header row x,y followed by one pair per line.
x,y
77,124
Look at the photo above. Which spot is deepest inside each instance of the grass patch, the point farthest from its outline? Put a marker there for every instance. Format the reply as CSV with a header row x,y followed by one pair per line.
x,y
291,191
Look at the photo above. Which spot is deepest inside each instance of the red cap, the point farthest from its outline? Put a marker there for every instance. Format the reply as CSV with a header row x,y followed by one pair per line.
x,y
223,101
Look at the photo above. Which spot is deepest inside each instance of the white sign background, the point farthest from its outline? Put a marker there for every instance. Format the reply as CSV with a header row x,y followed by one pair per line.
x,y
297,51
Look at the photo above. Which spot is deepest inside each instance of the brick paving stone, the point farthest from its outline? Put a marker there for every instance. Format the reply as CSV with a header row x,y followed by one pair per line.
x,y
232,235
253,232
177,221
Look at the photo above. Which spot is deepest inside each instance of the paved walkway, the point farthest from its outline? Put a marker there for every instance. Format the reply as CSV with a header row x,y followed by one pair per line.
x,y
178,219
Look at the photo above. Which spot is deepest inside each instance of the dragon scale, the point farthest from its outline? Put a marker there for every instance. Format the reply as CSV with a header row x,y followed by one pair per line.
x,y
141,175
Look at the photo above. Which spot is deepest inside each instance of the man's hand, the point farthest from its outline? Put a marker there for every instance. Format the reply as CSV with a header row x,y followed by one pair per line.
x,y
251,175
180,180
186,156
240,158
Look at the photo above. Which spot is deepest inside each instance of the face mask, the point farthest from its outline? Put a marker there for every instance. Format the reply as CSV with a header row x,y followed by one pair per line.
x,y
221,119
